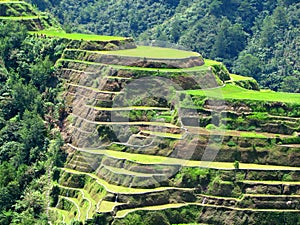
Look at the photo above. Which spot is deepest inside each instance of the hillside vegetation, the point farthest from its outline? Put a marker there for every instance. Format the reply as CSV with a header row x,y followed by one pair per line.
x,y
253,38
100,130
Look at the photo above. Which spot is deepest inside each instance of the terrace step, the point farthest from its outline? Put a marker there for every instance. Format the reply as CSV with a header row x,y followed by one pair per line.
x,y
64,215
123,172
271,187
106,206
234,133
126,123
93,89
82,163
114,189
162,134
123,213
160,160
73,63
74,202
130,108
142,56
127,178
86,76
257,201
273,201
81,195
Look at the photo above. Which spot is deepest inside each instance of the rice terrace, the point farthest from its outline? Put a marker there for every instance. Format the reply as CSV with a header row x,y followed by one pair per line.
x,y
158,135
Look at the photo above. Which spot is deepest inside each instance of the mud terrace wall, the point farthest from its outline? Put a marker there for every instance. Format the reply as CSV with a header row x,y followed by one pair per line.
x,y
108,59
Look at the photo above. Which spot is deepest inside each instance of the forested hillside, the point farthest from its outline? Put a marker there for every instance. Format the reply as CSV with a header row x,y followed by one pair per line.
x,y
254,38
101,130
29,117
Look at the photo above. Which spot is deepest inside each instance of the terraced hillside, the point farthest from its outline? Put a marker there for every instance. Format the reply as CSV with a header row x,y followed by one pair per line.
x,y
22,12
162,135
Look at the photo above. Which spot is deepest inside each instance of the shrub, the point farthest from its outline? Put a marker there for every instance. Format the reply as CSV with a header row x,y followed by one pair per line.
x,y
231,143
287,177
211,127
154,218
236,165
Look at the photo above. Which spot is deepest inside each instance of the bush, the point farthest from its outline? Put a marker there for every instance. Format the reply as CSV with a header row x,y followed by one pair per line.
x,y
236,165
211,127
155,218
231,143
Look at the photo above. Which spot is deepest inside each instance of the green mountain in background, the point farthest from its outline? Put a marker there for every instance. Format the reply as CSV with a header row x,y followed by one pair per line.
x,y
100,130
253,38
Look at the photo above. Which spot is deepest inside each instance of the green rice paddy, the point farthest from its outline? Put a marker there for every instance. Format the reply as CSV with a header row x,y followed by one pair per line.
x,y
153,52
151,159
77,36
230,91
235,77
191,69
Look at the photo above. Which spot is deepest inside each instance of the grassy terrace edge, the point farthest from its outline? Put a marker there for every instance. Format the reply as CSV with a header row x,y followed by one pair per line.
x,y
153,52
151,159
77,36
230,91
192,69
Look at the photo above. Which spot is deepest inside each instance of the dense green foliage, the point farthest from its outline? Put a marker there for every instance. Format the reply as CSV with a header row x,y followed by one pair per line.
x,y
253,38
234,92
29,140
241,34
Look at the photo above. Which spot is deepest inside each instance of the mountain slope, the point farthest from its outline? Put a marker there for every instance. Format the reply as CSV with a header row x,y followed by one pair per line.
x,y
231,31
153,135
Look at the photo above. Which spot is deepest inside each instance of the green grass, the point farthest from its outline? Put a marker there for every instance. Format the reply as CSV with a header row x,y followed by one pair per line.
x,y
235,77
127,172
252,135
120,189
153,52
75,203
192,69
106,206
139,123
233,133
209,62
152,159
235,92
77,36
123,213
65,215
84,195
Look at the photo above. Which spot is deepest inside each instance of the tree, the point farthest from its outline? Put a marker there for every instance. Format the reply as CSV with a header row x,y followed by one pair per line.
x,y
32,134
41,73
236,165
291,84
12,151
24,97
11,37
154,218
230,40
248,65
215,7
